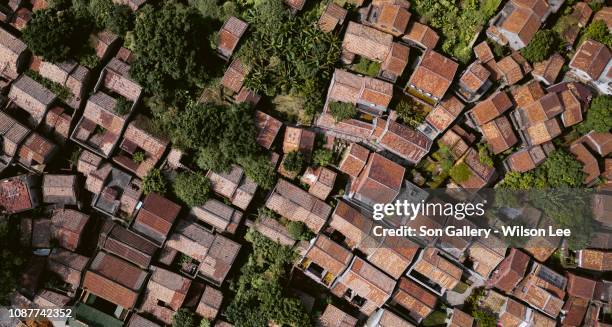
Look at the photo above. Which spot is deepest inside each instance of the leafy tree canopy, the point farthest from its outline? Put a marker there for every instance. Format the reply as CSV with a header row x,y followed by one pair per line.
x,y
542,46
294,162
154,182
184,318
598,117
460,172
191,188
323,157
598,31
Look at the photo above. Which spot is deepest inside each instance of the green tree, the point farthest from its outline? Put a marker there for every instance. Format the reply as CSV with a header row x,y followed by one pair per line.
x,y
59,43
260,170
191,188
484,155
154,182
323,157
598,117
121,19
294,162
184,318
460,172
410,112
563,170
542,46
170,48
598,31
139,157
342,110
11,258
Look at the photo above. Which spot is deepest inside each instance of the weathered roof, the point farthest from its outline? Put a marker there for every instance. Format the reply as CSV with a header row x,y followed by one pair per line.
x,y
591,58
527,93
392,18
156,216
438,269
379,182
581,287
333,16
28,93
543,132
67,227
367,42
474,77
415,298
11,49
526,159
598,260
126,244
234,76
117,78
351,223
572,114
405,142
499,134
604,14
67,265
210,303
422,35
329,255
510,70
483,52
268,128
334,317
549,69
16,194
434,74
396,60
354,159
522,22
59,188
445,113
491,107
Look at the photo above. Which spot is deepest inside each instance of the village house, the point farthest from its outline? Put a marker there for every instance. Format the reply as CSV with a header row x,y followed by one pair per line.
x,y
13,57
512,68
325,260
106,116
592,259
114,280
486,254
590,164
116,193
525,159
387,17
349,225
140,150
217,216
432,78
36,152
57,124
395,62
320,181
155,217
543,112
580,287
210,303
474,82
353,160
458,318
295,204
12,134
379,182
529,291
604,14
575,309
210,255
19,193
335,317
548,70
229,36
408,144
413,299
333,16
67,227
517,22
364,41
234,76
29,101
432,266
481,174
88,163
514,313
527,93
105,43
455,143
233,185
483,52
420,36
572,113
444,114
392,255
67,266
69,74
592,64
272,229
385,318
60,189
125,243
48,298
499,134
295,5
300,140
137,320
165,293
267,129
364,286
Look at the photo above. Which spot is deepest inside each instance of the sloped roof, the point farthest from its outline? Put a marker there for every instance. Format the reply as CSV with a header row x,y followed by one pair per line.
x,y
591,58
367,42
491,107
405,142
434,74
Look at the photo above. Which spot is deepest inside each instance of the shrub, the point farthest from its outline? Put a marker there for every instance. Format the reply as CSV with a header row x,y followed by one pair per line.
x,y
410,112
598,31
323,157
366,67
154,182
294,162
296,229
342,110
192,189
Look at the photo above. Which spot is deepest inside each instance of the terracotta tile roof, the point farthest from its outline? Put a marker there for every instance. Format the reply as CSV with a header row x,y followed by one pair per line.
x,y
434,74
48,298
267,127
67,227
295,4
12,50
167,286
528,291
510,70
454,142
483,52
59,189
234,76
590,165
392,19
114,280
486,253
604,14
126,244
379,182
367,42
490,108
191,239
526,159
474,77
527,93
575,309
31,96
117,78
156,216
351,223
438,269
66,265
541,110
581,287
329,255
333,16
548,70
366,281
414,298
591,58
375,92
58,122
445,113
321,181
514,314
354,159
481,175
17,194
597,260
539,7
523,23
136,320
392,256
210,303
396,60
219,259
334,317
422,35
217,214
543,132
273,230
230,34
405,142
572,114
296,204
599,142
36,150
298,139
460,319
390,319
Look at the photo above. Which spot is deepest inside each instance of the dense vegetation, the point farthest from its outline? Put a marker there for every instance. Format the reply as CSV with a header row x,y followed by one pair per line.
x,y
542,46
460,172
154,182
10,260
458,22
342,110
598,31
598,117
294,162
260,294
191,188
288,54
